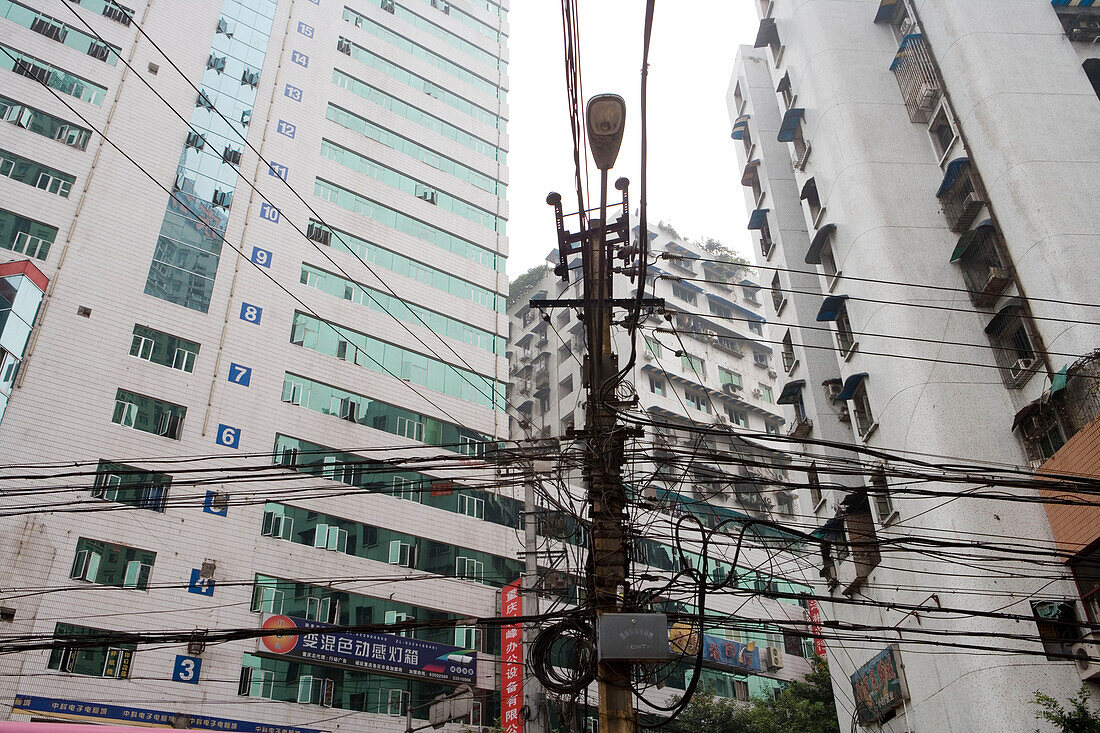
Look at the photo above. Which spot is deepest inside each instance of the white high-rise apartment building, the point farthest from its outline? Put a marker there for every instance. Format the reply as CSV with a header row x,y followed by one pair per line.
x,y
913,169
253,350
705,383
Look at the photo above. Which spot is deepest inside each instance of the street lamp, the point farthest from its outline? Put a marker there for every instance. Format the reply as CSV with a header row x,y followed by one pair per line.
x,y
606,116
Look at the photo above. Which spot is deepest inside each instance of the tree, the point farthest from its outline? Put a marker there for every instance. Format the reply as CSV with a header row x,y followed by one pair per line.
x,y
734,267
525,283
1080,718
802,707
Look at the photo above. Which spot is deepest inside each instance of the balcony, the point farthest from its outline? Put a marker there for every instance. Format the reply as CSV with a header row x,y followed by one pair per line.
x,y
800,428
983,268
1081,22
961,194
917,78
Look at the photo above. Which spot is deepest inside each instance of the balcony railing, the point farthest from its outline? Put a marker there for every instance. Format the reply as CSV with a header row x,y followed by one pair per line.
x,y
983,268
963,199
917,78
801,427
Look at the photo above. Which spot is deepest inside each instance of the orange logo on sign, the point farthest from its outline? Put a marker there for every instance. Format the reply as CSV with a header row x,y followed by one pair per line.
x,y
278,643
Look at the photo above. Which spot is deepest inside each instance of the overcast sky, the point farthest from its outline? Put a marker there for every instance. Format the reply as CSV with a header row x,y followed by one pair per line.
x,y
692,173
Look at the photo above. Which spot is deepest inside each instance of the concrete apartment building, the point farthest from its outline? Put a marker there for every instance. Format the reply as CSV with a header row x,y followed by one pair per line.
x,y
705,379
273,387
926,252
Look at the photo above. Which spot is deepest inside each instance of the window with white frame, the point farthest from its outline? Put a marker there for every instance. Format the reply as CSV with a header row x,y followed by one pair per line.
x,y
471,506
402,554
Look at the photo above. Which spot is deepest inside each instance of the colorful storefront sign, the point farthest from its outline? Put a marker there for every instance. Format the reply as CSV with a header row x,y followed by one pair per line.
x,y
379,652
79,710
879,686
511,657
815,627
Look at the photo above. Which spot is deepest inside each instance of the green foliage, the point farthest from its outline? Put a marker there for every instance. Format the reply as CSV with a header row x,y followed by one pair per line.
x,y
525,283
802,707
667,229
734,267
1079,718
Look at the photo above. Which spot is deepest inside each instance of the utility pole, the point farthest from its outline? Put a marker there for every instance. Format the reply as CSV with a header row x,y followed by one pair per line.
x,y
533,694
604,439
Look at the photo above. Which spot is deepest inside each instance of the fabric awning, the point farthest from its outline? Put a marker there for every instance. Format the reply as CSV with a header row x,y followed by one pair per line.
x,y
886,10
809,188
831,307
954,169
813,254
767,33
758,218
968,238
1058,381
851,384
1007,311
903,50
1027,412
790,392
790,124
751,172
784,84
740,126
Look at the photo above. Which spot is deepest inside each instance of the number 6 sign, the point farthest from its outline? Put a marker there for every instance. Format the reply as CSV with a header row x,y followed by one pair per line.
x,y
228,436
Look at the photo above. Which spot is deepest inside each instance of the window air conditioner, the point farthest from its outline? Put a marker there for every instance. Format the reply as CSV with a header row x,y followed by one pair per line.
x,y
1021,366
772,374
757,393
775,658
731,389
1086,655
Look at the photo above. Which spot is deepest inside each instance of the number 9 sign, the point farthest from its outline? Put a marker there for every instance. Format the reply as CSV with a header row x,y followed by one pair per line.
x,y
228,436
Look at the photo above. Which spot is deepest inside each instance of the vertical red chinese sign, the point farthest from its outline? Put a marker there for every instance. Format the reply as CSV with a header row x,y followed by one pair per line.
x,y
511,668
815,628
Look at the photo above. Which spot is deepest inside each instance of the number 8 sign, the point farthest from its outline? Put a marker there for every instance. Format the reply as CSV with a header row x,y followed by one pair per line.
x,y
228,436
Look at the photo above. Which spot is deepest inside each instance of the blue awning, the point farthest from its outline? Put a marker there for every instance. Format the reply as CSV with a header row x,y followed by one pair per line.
x,y
767,33
751,172
968,238
903,49
1009,310
831,307
851,384
790,392
809,188
740,127
886,10
954,169
758,218
1072,3
784,84
813,254
790,124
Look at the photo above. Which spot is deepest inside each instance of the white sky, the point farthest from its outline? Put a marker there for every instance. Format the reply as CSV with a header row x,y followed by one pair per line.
x,y
693,179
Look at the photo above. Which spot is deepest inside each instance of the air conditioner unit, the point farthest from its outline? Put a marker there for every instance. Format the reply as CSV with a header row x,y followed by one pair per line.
x,y
757,393
774,658
772,374
908,26
1086,655
1021,366
731,389
647,355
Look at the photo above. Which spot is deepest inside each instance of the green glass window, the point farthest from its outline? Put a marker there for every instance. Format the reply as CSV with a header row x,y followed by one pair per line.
x,y
421,53
26,236
406,224
375,254
104,563
403,310
148,415
729,377
395,179
418,116
683,293
51,76
112,660
71,36
165,349
354,470
108,8
34,174
653,346
421,84
129,485
414,149
438,32
379,356
43,124
335,534
693,365
470,21
364,410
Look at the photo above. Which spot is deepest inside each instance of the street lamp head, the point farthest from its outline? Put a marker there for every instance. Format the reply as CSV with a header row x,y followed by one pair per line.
x,y
606,117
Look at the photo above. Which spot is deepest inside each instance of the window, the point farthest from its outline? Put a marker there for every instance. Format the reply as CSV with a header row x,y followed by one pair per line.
x,y
267,599
749,293
738,98
756,327
256,683
52,76
771,428
471,506
412,429
25,236
323,609
99,661
276,524
880,491
984,271
397,701
104,563
329,537
697,400
788,352
402,554
862,539
738,417
693,365
828,260
469,569
148,415
784,91
1086,571
164,349
657,386
916,74
683,293
864,418
778,298
725,376
814,482
130,485
467,637
43,124
1092,71
812,199
34,174
759,358
942,132
845,338
1010,335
